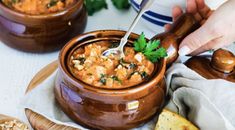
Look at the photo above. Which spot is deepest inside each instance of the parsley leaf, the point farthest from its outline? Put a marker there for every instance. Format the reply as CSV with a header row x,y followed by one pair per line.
x,y
140,44
121,4
152,45
154,56
151,49
93,6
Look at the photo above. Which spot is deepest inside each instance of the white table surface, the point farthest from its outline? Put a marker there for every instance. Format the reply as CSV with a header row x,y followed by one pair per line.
x,y
18,68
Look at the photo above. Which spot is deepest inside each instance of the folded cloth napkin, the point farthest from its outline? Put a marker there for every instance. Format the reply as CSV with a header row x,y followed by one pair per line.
x,y
210,104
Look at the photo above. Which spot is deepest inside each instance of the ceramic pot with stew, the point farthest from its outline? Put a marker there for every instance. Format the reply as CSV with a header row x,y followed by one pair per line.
x,y
36,26
114,94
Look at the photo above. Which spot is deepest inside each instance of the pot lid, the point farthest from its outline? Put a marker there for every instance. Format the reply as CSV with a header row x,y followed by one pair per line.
x,y
220,66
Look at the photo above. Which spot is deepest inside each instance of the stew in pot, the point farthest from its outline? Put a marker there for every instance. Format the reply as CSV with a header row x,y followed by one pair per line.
x,y
89,65
36,7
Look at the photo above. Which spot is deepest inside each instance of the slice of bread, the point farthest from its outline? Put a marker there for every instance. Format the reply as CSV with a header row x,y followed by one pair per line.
x,y
171,121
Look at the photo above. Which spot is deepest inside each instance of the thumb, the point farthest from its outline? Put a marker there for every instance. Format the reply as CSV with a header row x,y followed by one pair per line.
x,y
196,39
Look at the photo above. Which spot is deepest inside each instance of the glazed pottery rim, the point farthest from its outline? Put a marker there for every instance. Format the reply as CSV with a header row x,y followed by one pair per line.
x,y
40,16
139,87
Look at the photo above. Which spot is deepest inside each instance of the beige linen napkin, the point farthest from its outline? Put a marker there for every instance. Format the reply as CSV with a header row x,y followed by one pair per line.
x,y
210,104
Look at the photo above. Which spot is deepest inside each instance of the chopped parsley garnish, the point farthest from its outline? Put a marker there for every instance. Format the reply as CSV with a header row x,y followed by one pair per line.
x,y
82,60
132,66
144,75
93,6
52,3
103,79
121,4
123,63
151,49
115,78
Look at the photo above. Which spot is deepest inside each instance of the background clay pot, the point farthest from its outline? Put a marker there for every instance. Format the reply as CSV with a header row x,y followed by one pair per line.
x,y
41,33
117,108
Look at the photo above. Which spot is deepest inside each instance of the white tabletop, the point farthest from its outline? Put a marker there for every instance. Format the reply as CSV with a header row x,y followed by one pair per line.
x,y
18,68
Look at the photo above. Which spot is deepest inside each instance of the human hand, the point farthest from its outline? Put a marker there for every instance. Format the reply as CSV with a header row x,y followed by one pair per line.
x,y
217,30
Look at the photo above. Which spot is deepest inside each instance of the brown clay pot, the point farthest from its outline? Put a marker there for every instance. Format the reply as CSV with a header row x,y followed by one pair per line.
x,y
116,109
41,33
220,66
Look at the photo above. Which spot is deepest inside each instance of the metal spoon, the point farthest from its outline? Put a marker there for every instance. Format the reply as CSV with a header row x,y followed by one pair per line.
x,y
144,6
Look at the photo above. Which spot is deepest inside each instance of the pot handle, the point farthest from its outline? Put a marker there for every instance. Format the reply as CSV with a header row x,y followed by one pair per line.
x,y
171,39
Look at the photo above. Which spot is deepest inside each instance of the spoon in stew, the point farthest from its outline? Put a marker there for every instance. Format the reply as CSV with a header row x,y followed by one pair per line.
x,y
144,6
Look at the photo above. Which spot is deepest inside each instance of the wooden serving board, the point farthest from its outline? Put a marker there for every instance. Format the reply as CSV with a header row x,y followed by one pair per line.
x,y
37,121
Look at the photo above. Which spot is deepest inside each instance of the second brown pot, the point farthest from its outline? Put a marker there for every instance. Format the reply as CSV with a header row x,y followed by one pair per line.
x,y
41,33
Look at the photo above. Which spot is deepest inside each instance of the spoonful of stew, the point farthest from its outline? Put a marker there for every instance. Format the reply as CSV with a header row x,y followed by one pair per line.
x,y
144,6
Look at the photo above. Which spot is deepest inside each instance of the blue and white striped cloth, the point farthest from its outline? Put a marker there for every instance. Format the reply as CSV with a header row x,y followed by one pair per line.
x,y
153,17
